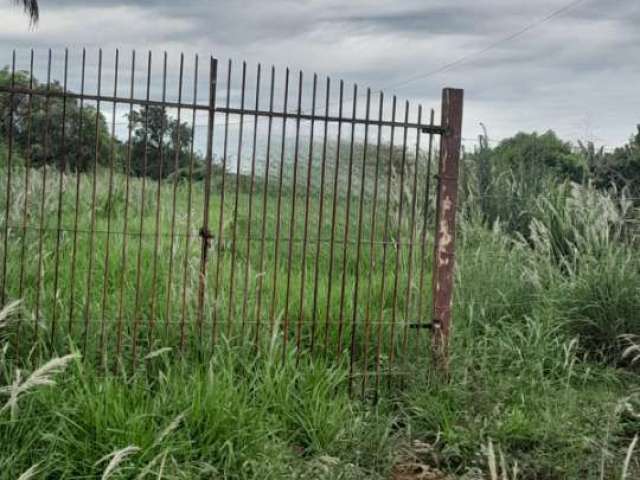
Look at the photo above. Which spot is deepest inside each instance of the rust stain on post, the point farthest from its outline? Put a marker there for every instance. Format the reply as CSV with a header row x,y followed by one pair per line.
x,y
452,102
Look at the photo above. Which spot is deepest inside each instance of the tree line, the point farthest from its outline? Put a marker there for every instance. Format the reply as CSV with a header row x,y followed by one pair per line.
x,y
509,178
519,167
72,134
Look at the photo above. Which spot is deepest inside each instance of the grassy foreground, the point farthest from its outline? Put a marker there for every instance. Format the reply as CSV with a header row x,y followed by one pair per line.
x,y
538,383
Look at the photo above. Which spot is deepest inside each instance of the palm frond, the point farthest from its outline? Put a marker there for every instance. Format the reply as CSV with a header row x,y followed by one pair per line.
x,y
31,8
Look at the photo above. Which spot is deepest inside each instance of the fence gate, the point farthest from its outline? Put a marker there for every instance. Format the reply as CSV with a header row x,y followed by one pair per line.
x,y
151,203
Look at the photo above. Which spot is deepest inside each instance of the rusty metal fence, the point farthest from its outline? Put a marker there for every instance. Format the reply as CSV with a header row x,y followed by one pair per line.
x,y
149,205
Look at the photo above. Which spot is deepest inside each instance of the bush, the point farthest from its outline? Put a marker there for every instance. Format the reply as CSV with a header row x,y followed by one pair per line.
x,y
584,255
602,303
505,182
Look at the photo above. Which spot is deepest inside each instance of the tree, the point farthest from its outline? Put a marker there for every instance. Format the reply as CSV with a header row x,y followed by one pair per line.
x,y
592,155
509,178
36,126
532,155
160,145
621,168
31,8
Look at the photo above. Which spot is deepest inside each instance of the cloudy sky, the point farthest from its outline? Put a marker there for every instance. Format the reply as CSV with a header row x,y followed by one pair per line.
x,y
577,73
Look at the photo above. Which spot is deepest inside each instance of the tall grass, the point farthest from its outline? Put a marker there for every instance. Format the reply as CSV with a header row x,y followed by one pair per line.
x,y
232,417
536,369
93,277
582,243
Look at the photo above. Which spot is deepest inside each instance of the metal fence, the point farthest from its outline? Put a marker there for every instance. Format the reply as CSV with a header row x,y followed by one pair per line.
x,y
187,207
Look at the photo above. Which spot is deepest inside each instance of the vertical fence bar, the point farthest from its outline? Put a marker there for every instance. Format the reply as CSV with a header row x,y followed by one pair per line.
x,y
89,280
412,227
220,237
105,282
158,226
43,197
303,267
205,234
347,222
234,227
27,194
292,221
452,102
265,198
385,237
145,160
9,166
176,166
61,172
363,177
372,237
316,268
250,207
125,229
333,219
423,233
398,239
185,266
274,286
27,181
79,168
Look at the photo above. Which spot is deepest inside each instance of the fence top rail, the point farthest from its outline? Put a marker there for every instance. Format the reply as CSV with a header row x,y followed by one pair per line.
x,y
44,92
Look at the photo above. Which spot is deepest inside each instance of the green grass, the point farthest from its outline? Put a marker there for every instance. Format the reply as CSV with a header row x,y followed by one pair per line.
x,y
94,284
235,416
528,370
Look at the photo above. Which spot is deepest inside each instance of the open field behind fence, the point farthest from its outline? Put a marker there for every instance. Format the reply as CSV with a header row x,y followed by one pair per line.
x,y
299,224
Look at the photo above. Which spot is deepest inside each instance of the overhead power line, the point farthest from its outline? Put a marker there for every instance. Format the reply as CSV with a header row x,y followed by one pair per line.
x,y
474,55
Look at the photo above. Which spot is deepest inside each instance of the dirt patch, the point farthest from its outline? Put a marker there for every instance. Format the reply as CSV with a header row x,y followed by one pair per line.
x,y
417,471
417,461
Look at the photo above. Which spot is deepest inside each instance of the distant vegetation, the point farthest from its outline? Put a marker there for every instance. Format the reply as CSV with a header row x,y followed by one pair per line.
x,y
38,133
507,178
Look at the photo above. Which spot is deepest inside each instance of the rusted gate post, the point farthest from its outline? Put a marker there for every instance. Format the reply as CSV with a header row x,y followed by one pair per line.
x,y
444,245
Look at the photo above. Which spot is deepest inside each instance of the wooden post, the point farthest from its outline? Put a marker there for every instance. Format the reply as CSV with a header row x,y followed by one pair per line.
x,y
446,204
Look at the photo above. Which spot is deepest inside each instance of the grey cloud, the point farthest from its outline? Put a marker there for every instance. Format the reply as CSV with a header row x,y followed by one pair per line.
x,y
582,64
426,21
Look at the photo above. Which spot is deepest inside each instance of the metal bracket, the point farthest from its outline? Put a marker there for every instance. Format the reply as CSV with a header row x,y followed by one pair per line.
x,y
436,130
206,235
445,178
421,326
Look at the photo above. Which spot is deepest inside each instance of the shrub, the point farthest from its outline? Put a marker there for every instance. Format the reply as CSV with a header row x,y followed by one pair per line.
x,y
585,256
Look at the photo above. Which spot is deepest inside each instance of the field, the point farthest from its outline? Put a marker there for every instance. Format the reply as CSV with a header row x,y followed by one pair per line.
x,y
122,260
538,384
